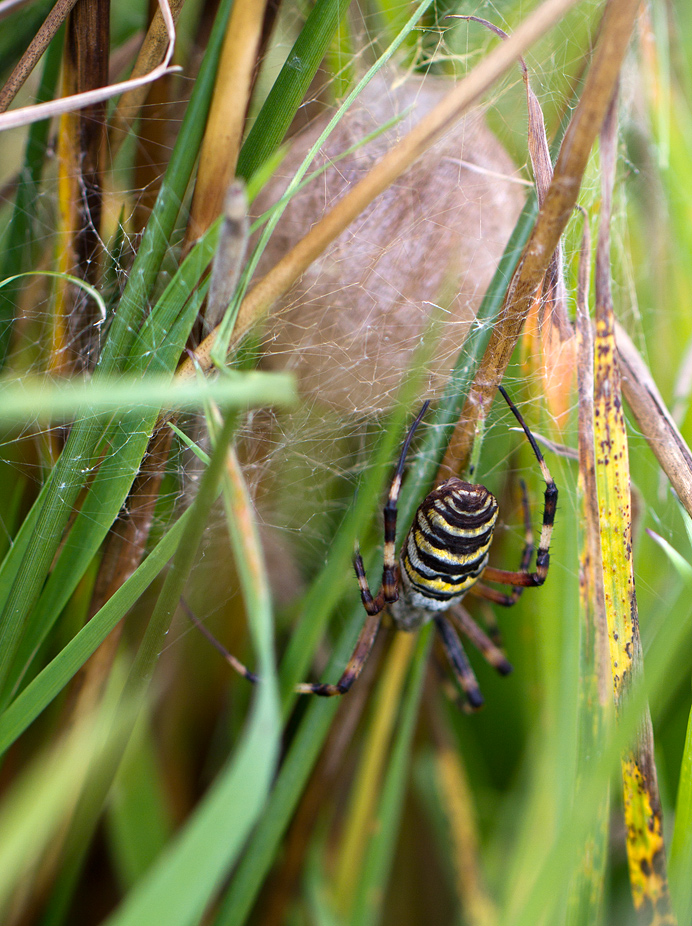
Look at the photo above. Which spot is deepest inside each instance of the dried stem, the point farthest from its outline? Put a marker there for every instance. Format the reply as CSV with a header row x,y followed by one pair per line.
x,y
653,418
32,55
561,197
224,131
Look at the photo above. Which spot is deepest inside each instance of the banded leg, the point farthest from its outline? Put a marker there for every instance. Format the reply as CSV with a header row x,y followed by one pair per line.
x,y
490,625
388,589
492,654
234,663
528,579
459,662
502,598
351,673
355,664
388,592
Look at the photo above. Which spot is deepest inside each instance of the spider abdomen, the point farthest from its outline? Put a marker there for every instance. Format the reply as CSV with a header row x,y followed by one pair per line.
x,y
445,551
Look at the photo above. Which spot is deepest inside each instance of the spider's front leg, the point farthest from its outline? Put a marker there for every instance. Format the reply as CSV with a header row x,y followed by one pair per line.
x,y
524,578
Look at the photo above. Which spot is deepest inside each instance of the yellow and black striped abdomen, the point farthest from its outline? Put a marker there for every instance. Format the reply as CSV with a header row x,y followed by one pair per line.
x,y
446,549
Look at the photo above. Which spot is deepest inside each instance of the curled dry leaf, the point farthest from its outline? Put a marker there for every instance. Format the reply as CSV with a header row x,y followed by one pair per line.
x,y
653,418
349,326
548,332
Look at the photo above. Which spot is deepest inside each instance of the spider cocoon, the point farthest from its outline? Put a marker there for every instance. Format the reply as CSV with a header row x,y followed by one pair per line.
x,y
349,327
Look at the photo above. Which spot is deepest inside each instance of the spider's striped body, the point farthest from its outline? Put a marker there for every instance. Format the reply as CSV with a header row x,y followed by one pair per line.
x,y
445,551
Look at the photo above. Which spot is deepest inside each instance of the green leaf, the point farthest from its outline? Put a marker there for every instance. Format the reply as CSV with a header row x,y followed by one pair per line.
x,y
182,884
53,678
291,85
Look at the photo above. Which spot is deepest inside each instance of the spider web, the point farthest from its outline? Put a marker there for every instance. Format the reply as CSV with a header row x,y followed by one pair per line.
x,y
425,250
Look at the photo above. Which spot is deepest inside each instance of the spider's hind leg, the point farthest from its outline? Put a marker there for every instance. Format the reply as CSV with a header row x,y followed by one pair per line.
x,y
492,654
524,578
459,662
355,663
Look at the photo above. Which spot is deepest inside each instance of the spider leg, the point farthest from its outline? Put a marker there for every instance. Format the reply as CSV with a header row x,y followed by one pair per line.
x,y
390,569
351,673
502,598
491,626
491,653
526,579
388,592
459,663
234,663
374,605
490,594
355,663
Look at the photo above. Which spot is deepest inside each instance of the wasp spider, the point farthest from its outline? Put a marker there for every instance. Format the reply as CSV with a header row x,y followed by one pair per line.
x,y
442,559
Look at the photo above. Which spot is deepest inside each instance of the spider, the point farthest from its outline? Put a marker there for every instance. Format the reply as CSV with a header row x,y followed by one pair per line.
x,y
443,557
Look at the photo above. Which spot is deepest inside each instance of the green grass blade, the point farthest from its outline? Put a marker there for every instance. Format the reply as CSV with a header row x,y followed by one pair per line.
x,y
181,886
67,478
18,30
138,820
681,845
37,805
26,398
680,864
378,860
292,778
291,85
53,678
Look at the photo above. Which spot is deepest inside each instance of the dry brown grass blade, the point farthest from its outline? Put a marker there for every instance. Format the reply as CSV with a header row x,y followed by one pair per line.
x,y
642,805
32,55
26,115
653,418
81,149
616,28
278,281
224,131
151,54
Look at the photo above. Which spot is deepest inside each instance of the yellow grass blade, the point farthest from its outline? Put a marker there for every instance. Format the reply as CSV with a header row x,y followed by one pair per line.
x,y
643,816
